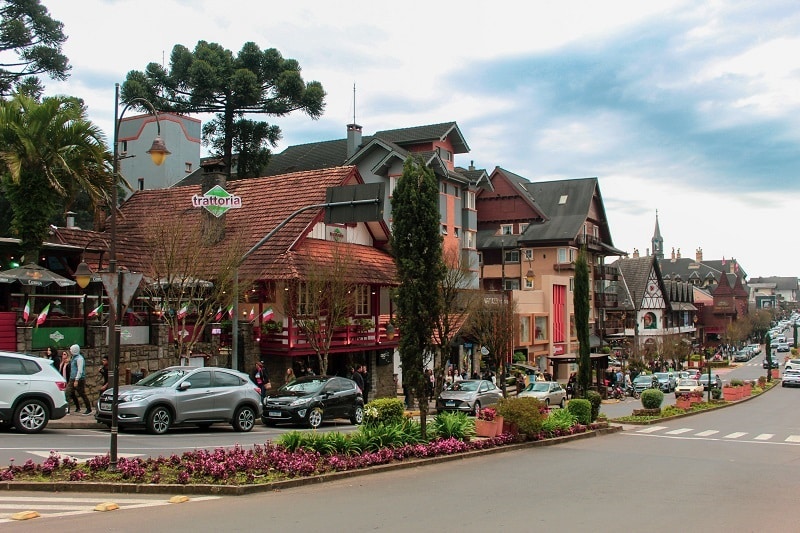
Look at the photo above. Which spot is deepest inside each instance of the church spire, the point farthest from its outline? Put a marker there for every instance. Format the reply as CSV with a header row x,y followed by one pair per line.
x,y
657,241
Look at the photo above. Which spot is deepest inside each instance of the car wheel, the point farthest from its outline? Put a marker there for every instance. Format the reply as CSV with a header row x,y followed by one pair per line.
x,y
158,421
315,417
547,402
358,415
476,409
31,416
562,403
244,419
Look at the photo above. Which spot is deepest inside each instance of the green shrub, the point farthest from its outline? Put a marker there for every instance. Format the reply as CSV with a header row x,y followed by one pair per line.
x,y
526,413
581,409
559,419
671,410
762,381
716,394
737,383
453,425
384,411
652,398
596,400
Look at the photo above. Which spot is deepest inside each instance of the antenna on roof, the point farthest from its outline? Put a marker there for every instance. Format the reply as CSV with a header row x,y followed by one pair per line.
x,y
354,103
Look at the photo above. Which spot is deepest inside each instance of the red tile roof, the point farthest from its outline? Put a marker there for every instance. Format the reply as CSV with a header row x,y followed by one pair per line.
x,y
266,202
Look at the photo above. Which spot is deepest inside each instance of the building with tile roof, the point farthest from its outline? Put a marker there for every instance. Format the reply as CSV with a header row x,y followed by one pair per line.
x,y
529,235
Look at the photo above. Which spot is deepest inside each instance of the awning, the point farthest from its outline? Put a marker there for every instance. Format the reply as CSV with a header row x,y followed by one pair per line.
x,y
595,341
683,306
571,358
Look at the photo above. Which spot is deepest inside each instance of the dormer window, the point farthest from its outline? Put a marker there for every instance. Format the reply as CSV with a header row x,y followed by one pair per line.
x,y
507,229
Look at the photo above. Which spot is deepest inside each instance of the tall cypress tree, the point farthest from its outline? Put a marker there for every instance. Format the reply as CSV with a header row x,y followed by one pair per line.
x,y
581,309
417,245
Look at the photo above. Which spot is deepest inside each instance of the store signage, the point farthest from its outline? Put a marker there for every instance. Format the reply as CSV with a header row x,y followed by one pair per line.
x,y
217,201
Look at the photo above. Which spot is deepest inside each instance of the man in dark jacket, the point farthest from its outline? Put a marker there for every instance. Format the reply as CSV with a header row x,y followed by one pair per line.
x,y
356,376
365,377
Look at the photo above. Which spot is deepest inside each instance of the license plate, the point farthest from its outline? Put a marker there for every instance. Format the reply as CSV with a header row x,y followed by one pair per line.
x,y
105,406
275,414
450,403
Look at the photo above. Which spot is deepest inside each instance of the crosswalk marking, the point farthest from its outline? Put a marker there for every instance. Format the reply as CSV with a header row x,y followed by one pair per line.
x,y
734,435
652,429
707,433
679,431
793,438
59,506
764,436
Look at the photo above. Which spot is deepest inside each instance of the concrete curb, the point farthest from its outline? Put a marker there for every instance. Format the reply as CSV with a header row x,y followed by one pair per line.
x,y
240,490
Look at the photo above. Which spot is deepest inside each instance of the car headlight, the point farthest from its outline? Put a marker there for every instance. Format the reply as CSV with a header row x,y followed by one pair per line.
x,y
300,401
137,397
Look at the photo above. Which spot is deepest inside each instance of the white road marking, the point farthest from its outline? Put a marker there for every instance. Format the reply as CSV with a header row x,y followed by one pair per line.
x,y
793,438
707,433
764,436
652,429
679,431
735,435
81,457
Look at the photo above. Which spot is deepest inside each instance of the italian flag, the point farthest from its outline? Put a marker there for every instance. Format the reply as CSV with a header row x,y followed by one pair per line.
x,y
26,313
218,316
43,315
96,311
268,314
252,315
229,310
182,311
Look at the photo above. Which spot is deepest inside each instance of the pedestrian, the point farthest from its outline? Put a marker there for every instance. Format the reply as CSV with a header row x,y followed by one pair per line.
x,y
104,373
63,367
261,378
289,377
355,376
52,354
365,377
77,383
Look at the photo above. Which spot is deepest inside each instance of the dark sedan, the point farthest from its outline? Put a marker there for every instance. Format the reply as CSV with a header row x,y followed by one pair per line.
x,y
716,381
311,399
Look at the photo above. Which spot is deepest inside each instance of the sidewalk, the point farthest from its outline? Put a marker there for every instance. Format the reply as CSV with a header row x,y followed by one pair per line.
x,y
75,421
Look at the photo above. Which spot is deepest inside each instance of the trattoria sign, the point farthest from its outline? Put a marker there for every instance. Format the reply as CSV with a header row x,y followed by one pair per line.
x,y
217,201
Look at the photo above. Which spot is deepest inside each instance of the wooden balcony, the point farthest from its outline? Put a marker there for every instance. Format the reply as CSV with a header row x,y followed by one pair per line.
x,y
605,300
292,341
609,273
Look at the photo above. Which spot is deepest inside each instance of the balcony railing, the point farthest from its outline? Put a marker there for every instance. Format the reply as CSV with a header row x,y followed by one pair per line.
x,y
294,341
606,272
605,300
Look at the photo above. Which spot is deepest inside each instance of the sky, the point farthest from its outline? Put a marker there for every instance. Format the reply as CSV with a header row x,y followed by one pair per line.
x,y
688,109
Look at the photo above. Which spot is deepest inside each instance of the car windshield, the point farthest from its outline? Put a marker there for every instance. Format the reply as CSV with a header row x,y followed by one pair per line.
x,y
640,379
539,386
687,382
662,375
466,386
163,378
304,386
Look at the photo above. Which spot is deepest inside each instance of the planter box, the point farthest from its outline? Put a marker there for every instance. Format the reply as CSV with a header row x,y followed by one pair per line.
x,y
776,373
647,412
747,390
485,428
683,404
731,394
510,428
695,399
498,422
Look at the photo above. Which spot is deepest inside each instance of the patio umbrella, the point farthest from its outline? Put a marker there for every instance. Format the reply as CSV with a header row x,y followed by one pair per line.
x,y
34,275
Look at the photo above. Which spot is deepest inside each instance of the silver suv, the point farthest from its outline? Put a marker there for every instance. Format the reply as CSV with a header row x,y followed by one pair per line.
x,y
181,395
31,392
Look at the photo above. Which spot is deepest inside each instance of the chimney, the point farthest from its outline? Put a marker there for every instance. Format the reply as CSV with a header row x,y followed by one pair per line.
x,y
698,255
647,252
679,254
353,139
472,165
70,219
212,227
636,253
732,267
672,258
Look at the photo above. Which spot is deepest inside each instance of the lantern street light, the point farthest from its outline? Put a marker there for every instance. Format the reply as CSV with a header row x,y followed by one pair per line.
x,y
119,286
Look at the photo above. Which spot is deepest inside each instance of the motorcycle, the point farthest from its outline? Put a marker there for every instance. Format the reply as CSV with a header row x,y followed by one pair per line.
x,y
615,392
632,392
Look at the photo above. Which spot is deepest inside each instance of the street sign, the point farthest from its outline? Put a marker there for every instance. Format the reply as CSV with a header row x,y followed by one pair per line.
x,y
348,213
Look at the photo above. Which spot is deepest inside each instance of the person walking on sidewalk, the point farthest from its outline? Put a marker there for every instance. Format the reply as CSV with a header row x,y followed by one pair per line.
x,y
77,383
63,367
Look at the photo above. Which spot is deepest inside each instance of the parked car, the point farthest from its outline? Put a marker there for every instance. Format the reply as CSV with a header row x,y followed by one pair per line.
x,y
716,381
550,392
666,380
740,356
469,396
31,392
774,362
687,386
791,378
311,399
185,395
643,382
782,347
756,348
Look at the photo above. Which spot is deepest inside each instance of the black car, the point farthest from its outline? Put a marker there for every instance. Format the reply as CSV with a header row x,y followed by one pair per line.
x,y
311,399
716,381
773,363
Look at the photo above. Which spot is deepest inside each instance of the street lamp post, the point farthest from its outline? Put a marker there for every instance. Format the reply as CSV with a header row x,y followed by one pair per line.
x,y
114,281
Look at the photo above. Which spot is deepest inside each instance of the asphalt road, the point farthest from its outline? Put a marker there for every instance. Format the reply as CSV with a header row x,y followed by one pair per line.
x,y
732,469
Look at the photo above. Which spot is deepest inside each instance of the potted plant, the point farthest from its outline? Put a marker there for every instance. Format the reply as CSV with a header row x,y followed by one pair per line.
x,y
364,324
270,326
486,423
683,401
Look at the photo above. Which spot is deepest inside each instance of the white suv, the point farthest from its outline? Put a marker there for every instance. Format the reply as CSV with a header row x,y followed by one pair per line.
x,y
792,364
31,392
